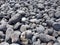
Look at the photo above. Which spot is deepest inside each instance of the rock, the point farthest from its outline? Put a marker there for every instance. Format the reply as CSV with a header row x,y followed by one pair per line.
x,y
23,19
29,34
17,5
57,14
1,33
41,1
56,44
4,43
55,34
37,42
50,31
46,38
43,44
9,26
58,39
17,25
50,43
49,22
33,20
40,5
56,26
14,19
9,32
21,11
35,37
40,29
32,25
58,32
23,39
14,44
24,27
15,36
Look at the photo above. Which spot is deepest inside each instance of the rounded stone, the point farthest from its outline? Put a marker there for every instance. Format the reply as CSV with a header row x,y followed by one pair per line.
x,y
40,29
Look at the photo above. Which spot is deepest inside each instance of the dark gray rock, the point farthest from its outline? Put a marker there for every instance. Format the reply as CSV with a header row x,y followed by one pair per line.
x,y
56,26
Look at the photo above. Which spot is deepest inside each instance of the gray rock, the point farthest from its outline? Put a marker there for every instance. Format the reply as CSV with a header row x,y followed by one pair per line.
x,y
58,39
40,29
56,26
37,42
15,36
33,20
14,44
55,33
14,18
4,43
50,31
50,43
56,44
57,14
43,44
17,25
24,27
46,38
40,5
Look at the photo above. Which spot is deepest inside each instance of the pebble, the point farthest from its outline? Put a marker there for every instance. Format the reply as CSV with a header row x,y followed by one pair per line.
x,y
50,31
56,44
50,43
15,36
40,5
14,44
58,39
14,19
43,44
37,42
17,25
33,20
24,19
9,32
24,27
57,14
46,38
40,29
56,26
4,43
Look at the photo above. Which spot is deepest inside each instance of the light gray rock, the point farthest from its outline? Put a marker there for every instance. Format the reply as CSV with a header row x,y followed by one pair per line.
x,y
4,43
14,44
24,27
9,32
57,14
58,39
17,25
15,36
